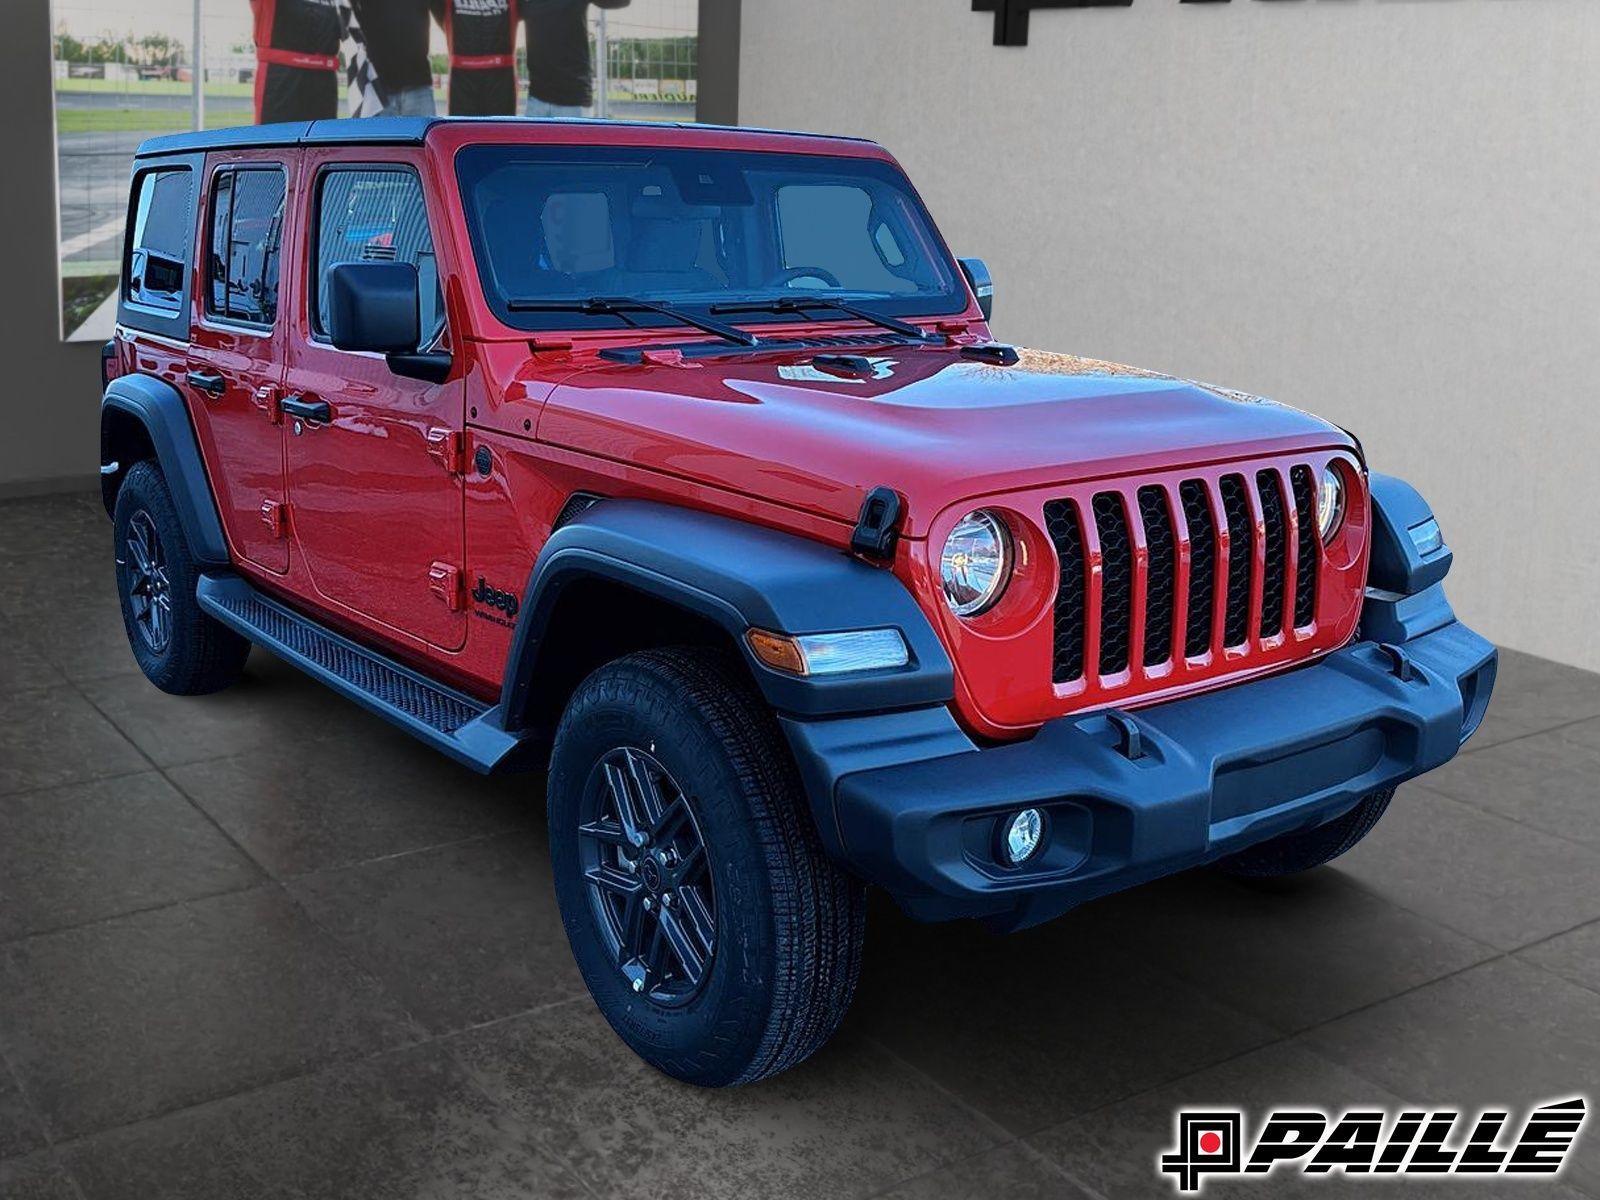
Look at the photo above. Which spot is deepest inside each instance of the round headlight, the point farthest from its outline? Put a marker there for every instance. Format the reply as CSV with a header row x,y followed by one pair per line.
x,y
975,564
1330,503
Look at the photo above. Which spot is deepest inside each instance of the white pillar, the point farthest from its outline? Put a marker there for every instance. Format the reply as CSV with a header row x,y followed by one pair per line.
x,y
197,69
602,71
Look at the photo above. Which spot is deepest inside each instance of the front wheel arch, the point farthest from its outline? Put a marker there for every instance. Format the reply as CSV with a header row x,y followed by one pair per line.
x,y
594,621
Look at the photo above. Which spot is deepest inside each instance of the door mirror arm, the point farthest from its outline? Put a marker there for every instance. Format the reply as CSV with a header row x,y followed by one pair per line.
x,y
981,283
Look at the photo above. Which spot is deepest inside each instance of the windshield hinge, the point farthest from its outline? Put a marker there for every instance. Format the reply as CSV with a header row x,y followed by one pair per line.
x,y
875,532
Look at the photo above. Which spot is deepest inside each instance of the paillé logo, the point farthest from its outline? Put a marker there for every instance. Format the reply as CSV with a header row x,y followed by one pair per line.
x,y
1367,1142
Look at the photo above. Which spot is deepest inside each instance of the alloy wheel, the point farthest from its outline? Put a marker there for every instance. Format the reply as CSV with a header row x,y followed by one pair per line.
x,y
645,867
149,586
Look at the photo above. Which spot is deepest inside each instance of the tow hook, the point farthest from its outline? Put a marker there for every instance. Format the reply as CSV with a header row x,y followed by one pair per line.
x,y
1400,663
1130,741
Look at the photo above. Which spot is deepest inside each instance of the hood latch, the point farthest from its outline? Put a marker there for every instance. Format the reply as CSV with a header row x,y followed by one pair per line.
x,y
875,531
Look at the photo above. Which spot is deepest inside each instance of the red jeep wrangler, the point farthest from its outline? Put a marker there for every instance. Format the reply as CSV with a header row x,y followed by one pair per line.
x,y
680,461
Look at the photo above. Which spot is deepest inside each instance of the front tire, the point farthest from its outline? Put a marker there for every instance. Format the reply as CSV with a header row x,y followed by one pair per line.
x,y
1308,848
715,935
179,647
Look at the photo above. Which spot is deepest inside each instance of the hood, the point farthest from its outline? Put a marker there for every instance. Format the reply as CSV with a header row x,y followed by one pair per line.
x,y
936,427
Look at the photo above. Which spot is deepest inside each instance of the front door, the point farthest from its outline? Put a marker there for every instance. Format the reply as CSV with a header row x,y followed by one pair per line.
x,y
235,359
375,486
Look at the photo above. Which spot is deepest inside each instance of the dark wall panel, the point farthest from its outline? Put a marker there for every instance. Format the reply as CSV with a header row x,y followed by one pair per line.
x,y
49,391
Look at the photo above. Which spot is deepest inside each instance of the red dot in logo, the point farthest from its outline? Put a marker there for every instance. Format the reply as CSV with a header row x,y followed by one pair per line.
x,y
1210,1143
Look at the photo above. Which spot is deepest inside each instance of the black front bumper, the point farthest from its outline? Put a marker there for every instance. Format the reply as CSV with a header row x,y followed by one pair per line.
x,y
913,805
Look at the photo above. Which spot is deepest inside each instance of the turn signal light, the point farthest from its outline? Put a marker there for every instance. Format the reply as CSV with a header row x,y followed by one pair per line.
x,y
829,653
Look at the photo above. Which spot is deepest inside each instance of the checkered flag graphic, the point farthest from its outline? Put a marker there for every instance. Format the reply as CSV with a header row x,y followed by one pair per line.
x,y
364,96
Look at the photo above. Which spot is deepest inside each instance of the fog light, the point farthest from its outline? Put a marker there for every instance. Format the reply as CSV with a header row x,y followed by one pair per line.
x,y
1024,833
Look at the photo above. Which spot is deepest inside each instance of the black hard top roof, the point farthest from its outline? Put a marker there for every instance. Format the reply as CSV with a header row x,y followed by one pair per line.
x,y
377,131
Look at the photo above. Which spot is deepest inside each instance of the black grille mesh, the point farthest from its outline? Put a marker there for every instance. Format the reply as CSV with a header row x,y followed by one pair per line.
x,y
1241,550
1305,578
1163,570
1156,508
1202,565
1061,520
577,504
1116,582
1277,560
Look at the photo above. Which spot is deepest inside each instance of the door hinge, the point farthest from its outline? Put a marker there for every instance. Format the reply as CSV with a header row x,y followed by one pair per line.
x,y
267,398
449,448
447,582
275,516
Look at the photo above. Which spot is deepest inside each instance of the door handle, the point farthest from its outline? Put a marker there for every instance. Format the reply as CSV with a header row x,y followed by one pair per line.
x,y
307,410
208,382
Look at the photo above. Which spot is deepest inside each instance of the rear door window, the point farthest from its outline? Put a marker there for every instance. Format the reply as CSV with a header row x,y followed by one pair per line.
x,y
245,237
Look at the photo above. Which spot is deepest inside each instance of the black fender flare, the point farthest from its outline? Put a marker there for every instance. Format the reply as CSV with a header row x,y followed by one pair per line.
x,y
1398,565
160,409
737,576
1405,586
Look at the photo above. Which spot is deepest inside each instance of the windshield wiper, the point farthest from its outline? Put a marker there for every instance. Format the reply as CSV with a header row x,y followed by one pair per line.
x,y
621,306
799,304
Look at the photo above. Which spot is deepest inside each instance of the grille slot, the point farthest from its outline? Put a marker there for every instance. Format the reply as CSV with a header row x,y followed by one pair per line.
x,y
1272,580
1202,565
1241,550
1130,622
1061,521
1161,575
1305,577
1116,582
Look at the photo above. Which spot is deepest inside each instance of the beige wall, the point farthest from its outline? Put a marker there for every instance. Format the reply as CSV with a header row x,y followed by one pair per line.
x,y
1385,212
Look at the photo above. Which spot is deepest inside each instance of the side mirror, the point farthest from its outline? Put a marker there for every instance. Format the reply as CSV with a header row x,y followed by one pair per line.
x,y
375,307
977,274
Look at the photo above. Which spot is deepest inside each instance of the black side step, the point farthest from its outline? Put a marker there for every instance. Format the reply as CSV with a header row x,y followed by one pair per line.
x,y
466,729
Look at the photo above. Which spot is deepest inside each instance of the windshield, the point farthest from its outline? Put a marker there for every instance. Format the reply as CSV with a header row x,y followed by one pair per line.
x,y
697,230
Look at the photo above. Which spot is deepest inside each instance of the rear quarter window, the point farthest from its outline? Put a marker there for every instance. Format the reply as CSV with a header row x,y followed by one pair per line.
x,y
159,246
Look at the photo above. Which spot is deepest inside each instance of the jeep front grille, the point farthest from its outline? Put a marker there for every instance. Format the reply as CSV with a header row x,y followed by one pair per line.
x,y
1218,565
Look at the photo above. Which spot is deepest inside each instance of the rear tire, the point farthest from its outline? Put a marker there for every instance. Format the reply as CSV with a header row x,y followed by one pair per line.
x,y
1296,852
785,924
179,647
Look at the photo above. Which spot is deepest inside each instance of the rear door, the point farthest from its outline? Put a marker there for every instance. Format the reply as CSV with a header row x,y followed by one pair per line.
x,y
377,488
236,349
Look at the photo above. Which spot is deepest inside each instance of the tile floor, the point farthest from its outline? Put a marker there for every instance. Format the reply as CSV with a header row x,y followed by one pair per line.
x,y
259,945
